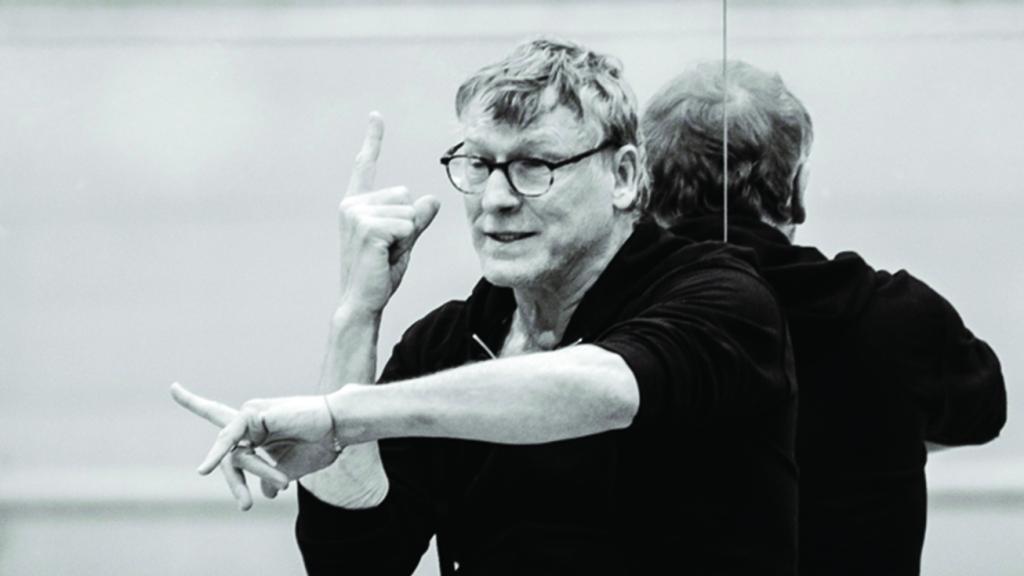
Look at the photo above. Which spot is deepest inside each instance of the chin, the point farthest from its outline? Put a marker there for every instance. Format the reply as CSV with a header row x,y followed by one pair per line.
x,y
509,274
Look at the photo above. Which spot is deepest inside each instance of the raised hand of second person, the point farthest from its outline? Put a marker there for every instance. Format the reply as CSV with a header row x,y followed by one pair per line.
x,y
378,229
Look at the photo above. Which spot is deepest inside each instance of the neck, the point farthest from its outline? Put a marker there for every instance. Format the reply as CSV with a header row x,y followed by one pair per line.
x,y
540,319
543,311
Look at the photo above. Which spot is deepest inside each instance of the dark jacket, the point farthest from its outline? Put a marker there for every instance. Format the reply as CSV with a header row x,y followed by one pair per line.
x,y
884,363
702,482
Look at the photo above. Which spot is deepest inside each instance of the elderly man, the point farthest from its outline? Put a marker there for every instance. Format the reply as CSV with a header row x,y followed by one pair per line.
x,y
610,399
884,363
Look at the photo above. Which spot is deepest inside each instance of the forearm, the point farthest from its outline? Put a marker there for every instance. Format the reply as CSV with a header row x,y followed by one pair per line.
x,y
355,479
970,388
351,348
527,399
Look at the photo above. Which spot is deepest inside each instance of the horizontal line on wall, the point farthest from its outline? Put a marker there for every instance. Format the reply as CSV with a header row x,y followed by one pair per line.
x,y
65,43
173,491
425,23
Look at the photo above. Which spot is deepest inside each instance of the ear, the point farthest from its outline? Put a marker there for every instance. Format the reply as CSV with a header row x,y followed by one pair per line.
x,y
798,213
626,169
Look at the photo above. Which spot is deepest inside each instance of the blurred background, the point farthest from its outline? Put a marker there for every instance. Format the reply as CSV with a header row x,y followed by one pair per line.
x,y
170,171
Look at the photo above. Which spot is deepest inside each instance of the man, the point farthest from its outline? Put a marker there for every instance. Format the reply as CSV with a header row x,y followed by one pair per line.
x,y
608,400
884,363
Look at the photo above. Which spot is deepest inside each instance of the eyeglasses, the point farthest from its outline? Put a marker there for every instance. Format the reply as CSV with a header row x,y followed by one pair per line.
x,y
527,176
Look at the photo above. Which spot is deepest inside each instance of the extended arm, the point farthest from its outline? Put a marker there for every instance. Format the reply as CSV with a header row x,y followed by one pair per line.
x,y
528,399
689,357
685,361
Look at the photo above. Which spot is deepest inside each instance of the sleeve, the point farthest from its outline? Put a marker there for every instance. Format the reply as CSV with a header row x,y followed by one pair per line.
x,y
711,344
388,540
955,376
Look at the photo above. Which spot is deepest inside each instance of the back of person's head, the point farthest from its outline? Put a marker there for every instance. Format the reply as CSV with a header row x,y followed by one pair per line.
x,y
769,137
543,74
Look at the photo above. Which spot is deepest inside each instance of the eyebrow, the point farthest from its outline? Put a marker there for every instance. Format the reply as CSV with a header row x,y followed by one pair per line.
x,y
531,148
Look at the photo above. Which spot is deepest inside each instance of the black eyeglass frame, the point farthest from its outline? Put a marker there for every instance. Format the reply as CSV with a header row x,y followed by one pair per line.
x,y
450,155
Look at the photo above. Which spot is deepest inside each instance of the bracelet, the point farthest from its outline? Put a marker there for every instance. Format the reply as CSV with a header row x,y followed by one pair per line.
x,y
336,445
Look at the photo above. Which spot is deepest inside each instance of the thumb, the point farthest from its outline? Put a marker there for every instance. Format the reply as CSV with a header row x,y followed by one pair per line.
x,y
424,209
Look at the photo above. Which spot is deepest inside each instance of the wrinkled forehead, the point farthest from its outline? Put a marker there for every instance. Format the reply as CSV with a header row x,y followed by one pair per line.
x,y
554,128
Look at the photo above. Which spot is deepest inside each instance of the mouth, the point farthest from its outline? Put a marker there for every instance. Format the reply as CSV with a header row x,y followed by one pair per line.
x,y
508,237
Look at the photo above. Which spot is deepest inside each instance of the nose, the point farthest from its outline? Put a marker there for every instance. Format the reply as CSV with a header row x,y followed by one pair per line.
x,y
498,195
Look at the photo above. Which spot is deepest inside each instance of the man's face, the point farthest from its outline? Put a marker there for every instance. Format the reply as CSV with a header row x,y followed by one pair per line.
x,y
548,240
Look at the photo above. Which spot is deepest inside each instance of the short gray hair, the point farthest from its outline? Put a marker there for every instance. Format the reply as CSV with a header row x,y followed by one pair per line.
x,y
770,135
589,84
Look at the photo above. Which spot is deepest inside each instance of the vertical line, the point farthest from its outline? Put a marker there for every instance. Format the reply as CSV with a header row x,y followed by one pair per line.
x,y
725,122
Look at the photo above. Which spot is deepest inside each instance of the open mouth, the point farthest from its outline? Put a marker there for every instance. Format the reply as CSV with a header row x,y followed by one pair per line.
x,y
506,237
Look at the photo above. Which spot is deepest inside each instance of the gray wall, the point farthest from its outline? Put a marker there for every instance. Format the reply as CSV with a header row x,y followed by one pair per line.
x,y
168,184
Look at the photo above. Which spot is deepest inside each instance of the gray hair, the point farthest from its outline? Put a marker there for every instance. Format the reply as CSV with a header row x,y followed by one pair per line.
x,y
770,135
518,89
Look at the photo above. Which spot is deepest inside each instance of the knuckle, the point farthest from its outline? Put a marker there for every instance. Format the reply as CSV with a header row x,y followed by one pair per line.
x,y
406,228
361,226
350,206
378,197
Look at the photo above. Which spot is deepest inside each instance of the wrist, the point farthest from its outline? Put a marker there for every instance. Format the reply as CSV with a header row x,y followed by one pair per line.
x,y
350,426
349,313
368,412
332,435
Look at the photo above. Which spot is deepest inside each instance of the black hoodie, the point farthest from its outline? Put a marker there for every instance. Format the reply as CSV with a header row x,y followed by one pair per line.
x,y
884,363
702,482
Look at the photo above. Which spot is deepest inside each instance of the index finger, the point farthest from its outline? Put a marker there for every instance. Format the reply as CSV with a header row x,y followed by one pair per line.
x,y
226,441
215,412
365,168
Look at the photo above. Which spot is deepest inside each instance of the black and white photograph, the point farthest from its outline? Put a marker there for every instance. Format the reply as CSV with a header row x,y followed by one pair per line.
x,y
519,288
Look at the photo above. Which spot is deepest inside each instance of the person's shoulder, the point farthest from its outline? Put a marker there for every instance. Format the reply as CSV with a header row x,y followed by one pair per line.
x,y
437,326
712,273
903,295
676,252
905,313
900,283
428,344
438,339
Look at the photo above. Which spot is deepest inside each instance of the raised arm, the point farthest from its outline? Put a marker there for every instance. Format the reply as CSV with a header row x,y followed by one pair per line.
x,y
356,479
377,231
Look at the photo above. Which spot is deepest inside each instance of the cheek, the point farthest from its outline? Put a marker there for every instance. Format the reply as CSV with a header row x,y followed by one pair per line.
x,y
471,204
588,218
473,211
